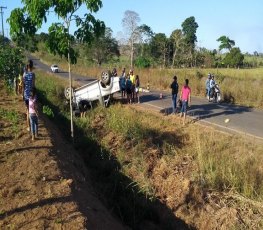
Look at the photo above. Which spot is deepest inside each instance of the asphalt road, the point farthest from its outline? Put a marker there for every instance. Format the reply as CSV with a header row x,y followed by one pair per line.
x,y
242,120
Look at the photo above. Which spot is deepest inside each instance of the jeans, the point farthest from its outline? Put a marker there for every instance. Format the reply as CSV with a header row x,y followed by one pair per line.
x,y
184,106
174,101
208,92
34,123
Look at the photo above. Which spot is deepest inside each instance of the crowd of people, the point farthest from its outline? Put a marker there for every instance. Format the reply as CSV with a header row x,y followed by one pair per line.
x,y
129,86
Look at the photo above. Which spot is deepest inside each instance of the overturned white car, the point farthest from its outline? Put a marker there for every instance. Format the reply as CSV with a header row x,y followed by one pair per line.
x,y
98,90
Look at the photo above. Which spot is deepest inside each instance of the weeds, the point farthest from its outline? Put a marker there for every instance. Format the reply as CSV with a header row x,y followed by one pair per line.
x,y
48,111
13,117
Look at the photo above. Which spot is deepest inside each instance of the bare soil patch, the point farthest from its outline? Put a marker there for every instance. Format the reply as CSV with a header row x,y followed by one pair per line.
x,y
43,183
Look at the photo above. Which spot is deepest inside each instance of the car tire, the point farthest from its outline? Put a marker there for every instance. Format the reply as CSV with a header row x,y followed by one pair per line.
x,y
67,92
106,77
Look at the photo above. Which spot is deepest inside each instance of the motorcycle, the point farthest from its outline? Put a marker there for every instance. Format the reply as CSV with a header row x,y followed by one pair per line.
x,y
216,94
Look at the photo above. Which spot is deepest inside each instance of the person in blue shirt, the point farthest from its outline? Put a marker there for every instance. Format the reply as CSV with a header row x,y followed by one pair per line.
x,y
28,84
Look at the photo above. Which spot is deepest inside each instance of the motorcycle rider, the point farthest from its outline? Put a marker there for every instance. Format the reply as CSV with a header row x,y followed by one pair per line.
x,y
207,86
212,84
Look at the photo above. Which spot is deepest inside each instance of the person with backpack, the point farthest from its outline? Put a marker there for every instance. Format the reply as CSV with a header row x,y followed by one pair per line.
x,y
174,86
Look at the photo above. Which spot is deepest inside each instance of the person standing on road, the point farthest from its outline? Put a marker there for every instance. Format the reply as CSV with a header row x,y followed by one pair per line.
x,y
28,84
137,88
174,86
186,99
129,90
132,78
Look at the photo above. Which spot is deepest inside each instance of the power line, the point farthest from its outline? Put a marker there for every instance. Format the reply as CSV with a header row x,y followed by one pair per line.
x,y
2,12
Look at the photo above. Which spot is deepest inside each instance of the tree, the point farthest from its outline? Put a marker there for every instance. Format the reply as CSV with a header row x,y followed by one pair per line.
x,y
189,27
11,61
146,35
30,18
234,58
177,42
103,49
226,43
130,24
159,48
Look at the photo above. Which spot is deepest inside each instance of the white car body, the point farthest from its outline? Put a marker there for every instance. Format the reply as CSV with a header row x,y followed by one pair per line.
x,y
54,68
94,91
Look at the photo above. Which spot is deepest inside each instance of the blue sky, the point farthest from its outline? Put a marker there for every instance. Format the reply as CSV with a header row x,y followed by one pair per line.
x,y
241,21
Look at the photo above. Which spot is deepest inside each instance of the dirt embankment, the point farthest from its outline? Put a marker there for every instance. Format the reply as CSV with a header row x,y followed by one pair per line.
x,y
43,184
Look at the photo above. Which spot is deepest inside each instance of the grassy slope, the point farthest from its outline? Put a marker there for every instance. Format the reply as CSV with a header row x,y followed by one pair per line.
x,y
152,163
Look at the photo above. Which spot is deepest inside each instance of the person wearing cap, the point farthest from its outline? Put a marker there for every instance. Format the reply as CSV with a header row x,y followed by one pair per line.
x,y
174,86
207,86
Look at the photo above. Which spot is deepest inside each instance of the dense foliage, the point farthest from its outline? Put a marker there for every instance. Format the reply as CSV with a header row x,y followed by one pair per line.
x,y
28,19
11,61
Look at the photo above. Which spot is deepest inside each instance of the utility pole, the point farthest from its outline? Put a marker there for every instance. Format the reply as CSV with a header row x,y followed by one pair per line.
x,y
1,12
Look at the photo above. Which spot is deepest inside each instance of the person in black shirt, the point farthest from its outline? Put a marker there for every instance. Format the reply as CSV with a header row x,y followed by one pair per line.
x,y
174,86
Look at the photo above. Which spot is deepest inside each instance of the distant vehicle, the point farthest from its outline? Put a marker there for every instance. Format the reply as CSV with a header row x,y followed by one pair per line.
x,y
54,68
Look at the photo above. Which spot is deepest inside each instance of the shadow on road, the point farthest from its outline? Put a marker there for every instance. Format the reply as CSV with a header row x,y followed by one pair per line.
x,y
204,111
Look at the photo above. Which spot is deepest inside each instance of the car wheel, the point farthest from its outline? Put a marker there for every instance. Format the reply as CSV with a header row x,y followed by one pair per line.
x,y
106,77
67,93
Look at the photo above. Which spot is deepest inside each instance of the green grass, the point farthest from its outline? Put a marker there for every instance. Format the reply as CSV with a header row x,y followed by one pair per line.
x,y
13,117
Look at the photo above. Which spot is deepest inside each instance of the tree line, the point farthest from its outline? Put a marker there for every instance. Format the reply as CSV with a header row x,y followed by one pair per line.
x,y
94,42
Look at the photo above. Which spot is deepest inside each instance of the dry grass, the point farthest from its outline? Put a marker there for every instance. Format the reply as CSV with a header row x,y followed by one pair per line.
x,y
166,160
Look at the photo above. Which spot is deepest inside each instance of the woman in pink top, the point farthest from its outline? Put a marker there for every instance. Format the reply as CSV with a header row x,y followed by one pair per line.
x,y
185,98
33,115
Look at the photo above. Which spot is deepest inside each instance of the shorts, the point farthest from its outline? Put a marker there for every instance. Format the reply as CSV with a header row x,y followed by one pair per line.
x,y
136,89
